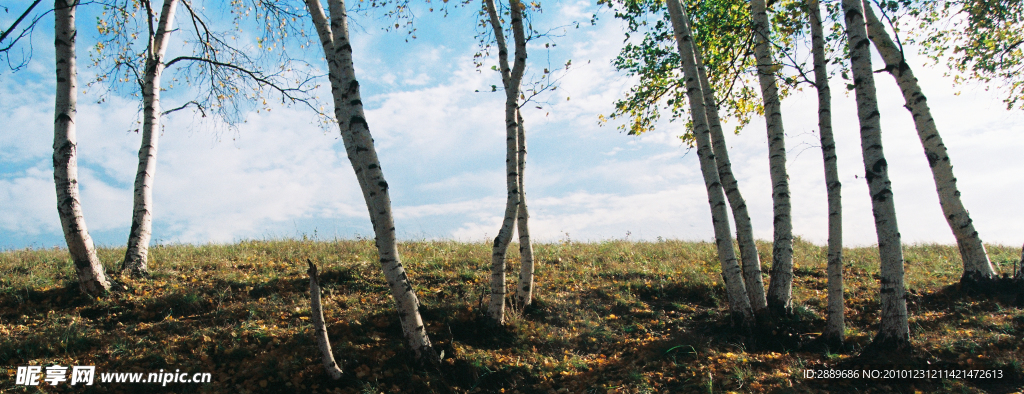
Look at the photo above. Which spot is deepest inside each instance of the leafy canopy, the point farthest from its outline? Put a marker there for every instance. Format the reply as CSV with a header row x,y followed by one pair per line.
x,y
722,31
979,40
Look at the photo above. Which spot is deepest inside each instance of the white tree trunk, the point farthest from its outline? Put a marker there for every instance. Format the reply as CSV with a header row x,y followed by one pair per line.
x,y
355,132
511,78
524,293
835,325
65,147
894,331
744,230
975,259
136,255
739,304
319,327
780,288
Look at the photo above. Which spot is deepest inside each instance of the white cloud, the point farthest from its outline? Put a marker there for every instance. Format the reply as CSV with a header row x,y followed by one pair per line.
x,y
442,149
432,121
613,151
677,212
30,203
26,116
272,171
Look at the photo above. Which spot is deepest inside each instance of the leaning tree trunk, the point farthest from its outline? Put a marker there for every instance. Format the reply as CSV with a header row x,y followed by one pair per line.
x,y
780,288
732,274
511,78
65,148
977,266
744,230
835,326
524,293
136,256
355,133
894,332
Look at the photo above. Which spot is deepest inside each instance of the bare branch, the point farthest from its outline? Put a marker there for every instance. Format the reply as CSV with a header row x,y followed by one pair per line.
x,y
892,24
184,106
27,31
257,76
17,21
225,77
150,15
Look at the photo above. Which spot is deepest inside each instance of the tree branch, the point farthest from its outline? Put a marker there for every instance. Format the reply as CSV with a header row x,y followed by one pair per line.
x,y
16,22
257,76
152,33
186,105
732,64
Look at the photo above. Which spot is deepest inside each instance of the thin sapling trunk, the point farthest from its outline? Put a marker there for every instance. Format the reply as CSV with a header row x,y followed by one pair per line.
x,y
511,78
319,328
780,288
524,292
835,325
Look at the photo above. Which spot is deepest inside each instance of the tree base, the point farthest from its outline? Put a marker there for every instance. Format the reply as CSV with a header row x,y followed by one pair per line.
x,y
779,310
428,357
889,348
135,273
1006,289
828,344
741,324
134,269
785,332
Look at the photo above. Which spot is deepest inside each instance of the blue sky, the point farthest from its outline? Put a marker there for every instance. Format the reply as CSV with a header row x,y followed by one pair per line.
x,y
442,150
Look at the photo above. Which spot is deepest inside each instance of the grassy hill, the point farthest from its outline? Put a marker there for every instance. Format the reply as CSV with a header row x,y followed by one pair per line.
x,y
615,316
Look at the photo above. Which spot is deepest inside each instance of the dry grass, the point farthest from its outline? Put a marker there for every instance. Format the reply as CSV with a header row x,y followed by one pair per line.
x,y
615,316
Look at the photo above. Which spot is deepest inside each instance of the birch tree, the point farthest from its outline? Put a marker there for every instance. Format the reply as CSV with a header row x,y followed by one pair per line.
x,y
225,73
355,132
731,272
722,32
511,78
835,325
524,292
65,150
744,230
977,267
721,29
894,331
780,288
136,255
